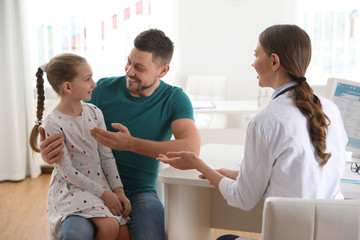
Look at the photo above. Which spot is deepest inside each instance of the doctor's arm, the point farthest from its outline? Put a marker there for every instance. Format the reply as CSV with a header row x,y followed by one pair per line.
x,y
189,160
229,173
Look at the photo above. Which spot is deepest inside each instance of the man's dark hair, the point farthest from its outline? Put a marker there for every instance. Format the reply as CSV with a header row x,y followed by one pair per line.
x,y
156,42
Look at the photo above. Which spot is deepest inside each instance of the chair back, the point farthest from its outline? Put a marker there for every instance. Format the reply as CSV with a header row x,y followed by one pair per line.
x,y
310,219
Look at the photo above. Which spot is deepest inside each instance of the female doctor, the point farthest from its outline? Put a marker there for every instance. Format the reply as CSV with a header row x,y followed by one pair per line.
x,y
294,147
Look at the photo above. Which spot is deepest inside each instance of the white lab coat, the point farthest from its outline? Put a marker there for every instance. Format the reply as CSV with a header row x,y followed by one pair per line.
x,y
279,158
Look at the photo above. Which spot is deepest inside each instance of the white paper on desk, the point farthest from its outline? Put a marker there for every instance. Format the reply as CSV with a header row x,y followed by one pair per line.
x,y
203,105
350,176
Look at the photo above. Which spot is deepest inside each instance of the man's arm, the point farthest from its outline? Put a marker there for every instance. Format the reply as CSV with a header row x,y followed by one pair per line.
x,y
187,138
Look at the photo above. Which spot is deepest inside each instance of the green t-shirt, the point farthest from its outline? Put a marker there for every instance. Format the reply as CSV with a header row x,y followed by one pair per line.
x,y
145,117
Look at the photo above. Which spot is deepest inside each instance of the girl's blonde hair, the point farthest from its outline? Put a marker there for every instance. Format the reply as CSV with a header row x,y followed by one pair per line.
x,y
60,69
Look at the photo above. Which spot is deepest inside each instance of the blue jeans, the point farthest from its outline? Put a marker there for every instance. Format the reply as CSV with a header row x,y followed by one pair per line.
x,y
146,217
146,220
76,227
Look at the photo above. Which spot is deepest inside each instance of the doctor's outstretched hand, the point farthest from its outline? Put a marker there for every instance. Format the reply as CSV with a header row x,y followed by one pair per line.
x,y
180,160
189,160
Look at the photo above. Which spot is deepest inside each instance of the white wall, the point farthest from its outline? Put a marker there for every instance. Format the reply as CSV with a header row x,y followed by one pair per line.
x,y
218,37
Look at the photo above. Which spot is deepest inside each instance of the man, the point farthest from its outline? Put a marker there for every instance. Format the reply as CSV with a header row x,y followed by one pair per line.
x,y
141,113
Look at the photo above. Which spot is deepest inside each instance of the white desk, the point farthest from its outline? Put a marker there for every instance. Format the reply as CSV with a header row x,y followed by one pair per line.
x,y
223,114
225,106
193,206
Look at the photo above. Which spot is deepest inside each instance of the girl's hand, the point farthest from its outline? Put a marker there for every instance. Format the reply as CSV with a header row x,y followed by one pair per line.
x,y
124,201
111,201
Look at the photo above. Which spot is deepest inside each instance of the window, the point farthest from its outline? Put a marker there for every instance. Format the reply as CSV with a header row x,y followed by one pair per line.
x,y
101,31
334,29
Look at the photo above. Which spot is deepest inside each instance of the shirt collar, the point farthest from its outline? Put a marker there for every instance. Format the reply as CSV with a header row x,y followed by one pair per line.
x,y
282,87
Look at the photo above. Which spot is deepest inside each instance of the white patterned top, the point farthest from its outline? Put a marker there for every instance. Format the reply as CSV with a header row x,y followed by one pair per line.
x,y
85,171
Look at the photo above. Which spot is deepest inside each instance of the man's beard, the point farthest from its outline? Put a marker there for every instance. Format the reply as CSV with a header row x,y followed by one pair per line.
x,y
143,88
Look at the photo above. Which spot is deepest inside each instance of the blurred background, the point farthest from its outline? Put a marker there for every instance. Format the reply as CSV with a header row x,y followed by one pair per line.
x,y
214,46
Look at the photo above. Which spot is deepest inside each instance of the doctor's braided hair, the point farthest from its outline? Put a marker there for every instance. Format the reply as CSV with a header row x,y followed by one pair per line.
x,y
293,47
61,68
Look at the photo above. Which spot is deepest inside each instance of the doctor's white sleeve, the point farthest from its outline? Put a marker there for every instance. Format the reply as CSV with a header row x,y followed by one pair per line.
x,y
255,170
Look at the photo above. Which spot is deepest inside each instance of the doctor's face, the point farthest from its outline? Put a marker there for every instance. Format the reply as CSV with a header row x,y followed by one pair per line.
x,y
263,67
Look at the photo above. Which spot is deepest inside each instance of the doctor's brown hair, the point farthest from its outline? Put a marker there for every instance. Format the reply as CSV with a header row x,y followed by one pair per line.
x,y
293,47
60,69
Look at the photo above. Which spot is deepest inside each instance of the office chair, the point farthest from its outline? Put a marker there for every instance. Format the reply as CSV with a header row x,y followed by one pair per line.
x,y
310,219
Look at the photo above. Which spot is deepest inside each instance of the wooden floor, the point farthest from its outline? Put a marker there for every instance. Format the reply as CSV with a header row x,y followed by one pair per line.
x,y
23,208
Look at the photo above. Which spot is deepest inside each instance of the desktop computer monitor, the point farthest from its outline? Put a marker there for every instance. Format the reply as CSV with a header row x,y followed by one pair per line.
x,y
346,95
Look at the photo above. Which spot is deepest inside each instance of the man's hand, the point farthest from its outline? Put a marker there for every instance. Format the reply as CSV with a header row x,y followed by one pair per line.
x,y
120,140
51,147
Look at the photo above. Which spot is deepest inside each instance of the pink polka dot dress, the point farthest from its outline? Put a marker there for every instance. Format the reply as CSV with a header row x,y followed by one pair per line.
x,y
85,171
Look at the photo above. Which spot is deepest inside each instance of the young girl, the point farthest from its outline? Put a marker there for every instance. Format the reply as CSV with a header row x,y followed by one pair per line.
x,y
85,182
